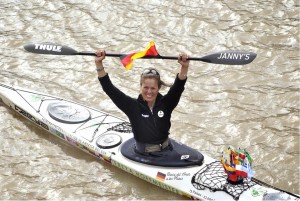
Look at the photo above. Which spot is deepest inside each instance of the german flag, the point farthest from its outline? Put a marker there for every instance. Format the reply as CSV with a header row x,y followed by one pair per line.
x,y
150,50
160,176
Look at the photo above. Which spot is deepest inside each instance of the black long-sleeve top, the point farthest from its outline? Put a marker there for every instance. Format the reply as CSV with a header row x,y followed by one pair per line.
x,y
148,127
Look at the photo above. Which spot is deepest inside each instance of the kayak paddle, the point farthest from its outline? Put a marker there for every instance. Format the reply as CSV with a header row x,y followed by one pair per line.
x,y
227,57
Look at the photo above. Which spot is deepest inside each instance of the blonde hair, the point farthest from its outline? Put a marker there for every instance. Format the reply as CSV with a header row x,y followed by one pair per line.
x,y
153,76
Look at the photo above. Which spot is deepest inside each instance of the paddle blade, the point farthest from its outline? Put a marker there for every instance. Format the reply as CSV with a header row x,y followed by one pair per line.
x,y
229,58
48,48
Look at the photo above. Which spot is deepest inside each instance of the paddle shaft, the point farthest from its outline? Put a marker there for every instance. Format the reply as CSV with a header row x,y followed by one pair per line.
x,y
146,57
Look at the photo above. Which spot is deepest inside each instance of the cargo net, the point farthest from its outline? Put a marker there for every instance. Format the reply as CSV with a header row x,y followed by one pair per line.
x,y
213,177
123,127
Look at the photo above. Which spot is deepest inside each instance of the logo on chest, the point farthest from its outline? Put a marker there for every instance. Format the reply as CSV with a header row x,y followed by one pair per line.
x,y
145,115
160,113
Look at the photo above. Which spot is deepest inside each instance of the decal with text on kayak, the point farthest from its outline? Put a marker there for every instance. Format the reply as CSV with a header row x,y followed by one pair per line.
x,y
178,176
31,118
201,195
48,47
172,176
234,56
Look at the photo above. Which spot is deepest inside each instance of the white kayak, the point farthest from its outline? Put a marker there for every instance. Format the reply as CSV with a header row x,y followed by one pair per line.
x,y
103,135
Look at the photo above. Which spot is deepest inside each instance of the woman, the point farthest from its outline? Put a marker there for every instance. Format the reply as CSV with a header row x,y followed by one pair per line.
x,y
150,113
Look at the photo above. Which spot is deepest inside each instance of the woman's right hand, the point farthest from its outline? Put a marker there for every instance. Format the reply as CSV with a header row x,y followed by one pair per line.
x,y
183,59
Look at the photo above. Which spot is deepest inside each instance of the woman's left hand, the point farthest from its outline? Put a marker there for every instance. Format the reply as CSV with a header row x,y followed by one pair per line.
x,y
183,60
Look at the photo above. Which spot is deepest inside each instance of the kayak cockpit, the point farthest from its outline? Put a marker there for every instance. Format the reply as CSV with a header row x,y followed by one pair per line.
x,y
179,156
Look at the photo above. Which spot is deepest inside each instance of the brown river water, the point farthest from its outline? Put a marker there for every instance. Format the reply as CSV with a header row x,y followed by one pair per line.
x,y
255,106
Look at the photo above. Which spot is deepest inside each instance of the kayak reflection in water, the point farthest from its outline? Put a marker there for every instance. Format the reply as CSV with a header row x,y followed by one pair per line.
x,y
150,113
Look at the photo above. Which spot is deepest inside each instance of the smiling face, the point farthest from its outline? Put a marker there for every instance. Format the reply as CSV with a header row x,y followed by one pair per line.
x,y
149,90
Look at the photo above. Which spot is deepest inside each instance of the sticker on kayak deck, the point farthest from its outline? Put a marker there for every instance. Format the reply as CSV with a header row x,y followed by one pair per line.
x,y
66,112
108,141
258,191
184,157
160,176
160,113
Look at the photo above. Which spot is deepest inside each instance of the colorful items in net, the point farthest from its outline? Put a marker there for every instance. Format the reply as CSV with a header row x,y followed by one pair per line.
x,y
237,164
